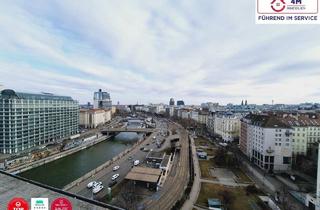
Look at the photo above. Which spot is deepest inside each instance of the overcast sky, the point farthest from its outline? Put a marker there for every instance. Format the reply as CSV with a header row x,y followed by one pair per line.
x,y
151,50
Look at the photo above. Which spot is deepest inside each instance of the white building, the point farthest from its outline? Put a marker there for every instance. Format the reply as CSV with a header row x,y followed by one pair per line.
x,y
227,126
194,115
170,111
268,142
185,114
157,108
92,118
203,117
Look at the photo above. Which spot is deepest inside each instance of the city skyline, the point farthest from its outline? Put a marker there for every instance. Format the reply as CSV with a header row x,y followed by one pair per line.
x,y
150,52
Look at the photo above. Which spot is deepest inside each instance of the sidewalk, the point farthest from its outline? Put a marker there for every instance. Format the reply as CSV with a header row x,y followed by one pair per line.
x,y
188,205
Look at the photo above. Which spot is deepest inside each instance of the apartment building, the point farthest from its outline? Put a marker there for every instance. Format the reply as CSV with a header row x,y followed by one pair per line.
x,y
203,117
267,141
92,118
227,125
306,131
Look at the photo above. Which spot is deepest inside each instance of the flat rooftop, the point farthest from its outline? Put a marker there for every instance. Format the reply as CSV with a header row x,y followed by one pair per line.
x,y
144,174
165,161
11,187
158,155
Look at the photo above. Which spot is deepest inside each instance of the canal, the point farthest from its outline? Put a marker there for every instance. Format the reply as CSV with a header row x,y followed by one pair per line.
x,y
65,170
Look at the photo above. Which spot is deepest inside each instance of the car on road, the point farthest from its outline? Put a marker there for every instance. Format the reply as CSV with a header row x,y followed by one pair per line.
x,y
116,168
96,184
114,177
97,189
136,162
91,184
113,183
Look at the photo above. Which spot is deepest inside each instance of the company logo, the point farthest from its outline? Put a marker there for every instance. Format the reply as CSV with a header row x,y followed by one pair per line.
x,y
278,5
61,204
18,204
39,204
287,12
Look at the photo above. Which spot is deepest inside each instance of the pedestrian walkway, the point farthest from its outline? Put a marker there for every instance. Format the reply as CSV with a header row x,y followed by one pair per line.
x,y
189,204
226,183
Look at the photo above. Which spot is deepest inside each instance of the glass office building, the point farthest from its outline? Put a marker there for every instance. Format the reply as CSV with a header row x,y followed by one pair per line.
x,y
102,100
29,120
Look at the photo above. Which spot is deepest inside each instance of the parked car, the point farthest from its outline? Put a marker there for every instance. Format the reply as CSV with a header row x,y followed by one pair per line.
x,y
114,177
97,189
91,184
116,168
136,162
96,184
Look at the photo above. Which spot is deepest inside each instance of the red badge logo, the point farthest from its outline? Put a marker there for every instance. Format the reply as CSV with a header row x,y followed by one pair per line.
x,y
278,5
18,204
61,204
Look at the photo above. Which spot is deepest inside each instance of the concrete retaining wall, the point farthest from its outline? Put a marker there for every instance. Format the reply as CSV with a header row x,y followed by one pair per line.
x,y
101,167
53,157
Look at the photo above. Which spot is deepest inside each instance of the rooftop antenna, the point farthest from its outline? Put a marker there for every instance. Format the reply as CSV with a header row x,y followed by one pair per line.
x,y
272,102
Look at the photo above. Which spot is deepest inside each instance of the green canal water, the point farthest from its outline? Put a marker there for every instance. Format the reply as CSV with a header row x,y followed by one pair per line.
x,y
65,170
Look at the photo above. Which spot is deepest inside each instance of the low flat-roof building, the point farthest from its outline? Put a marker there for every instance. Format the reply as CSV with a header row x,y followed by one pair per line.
x,y
144,176
155,158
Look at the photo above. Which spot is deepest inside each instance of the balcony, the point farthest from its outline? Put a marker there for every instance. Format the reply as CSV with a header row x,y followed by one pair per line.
x,y
269,150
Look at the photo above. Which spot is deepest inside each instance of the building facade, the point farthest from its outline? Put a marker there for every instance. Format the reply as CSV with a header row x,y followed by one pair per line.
x,y
227,126
101,100
306,131
210,122
171,102
92,118
203,117
268,142
29,120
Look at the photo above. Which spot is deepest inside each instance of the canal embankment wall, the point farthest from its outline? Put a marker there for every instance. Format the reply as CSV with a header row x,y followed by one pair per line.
x,y
54,157
101,167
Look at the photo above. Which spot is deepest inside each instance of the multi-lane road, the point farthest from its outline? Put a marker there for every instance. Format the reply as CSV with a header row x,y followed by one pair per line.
x,y
125,163
177,181
175,184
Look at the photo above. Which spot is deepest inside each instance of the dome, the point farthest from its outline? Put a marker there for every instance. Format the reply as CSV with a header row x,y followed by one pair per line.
x,y
8,93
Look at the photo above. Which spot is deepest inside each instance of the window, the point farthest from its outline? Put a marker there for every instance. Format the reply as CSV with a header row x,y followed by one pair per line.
x,y
286,160
271,159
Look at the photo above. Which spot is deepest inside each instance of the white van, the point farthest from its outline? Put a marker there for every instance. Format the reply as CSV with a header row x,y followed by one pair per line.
x,y
136,162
